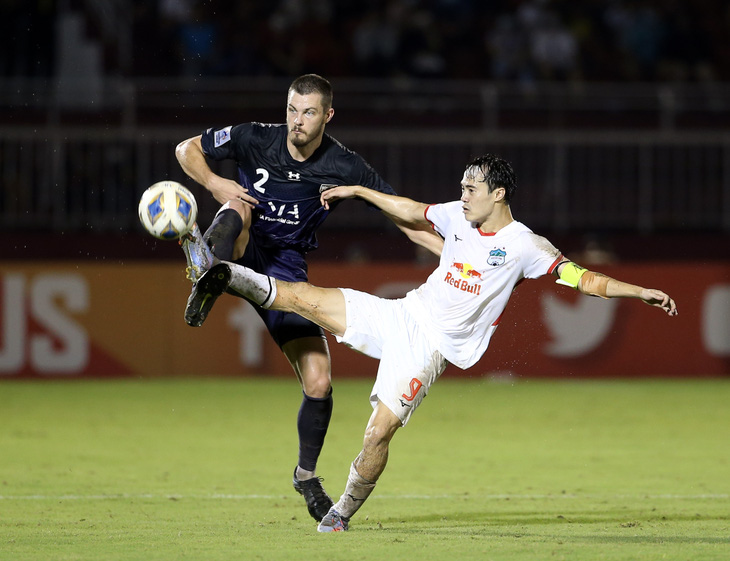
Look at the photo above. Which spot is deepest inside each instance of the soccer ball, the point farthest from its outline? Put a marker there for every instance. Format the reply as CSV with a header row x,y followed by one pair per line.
x,y
167,210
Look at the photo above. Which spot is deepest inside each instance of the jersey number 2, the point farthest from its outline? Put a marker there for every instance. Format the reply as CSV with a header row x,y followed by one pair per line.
x,y
264,178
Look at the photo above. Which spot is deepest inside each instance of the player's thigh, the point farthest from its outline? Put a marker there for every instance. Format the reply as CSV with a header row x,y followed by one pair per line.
x,y
370,322
310,360
409,366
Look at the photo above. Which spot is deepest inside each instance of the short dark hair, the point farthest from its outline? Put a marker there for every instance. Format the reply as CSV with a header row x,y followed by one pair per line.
x,y
313,83
497,173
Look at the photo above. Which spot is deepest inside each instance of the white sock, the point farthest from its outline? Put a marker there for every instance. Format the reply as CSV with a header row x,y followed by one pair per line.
x,y
258,288
358,489
303,474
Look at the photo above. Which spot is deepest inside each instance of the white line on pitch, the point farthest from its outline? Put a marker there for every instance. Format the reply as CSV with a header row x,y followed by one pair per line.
x,y
217,496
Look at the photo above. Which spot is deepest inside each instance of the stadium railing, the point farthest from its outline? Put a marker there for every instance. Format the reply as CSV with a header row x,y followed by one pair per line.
x,y
75,178
406,102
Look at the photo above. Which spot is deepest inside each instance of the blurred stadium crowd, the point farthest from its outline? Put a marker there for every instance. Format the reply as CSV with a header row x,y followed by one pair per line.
x,y
511,40
662,66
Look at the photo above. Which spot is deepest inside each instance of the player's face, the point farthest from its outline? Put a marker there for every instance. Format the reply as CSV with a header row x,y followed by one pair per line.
x,y
306,118
478,202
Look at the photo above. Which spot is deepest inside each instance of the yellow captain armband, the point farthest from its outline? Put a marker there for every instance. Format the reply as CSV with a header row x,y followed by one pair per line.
x,y
570,274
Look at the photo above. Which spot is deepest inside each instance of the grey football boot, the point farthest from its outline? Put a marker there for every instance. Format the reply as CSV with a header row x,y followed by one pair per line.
x,y
197,254
334,522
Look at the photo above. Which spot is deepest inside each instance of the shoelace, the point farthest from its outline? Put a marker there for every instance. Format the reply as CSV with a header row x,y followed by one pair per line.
x,y
318,492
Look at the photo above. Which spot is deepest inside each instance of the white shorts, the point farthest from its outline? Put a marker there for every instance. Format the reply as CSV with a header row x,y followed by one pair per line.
x,y
409,362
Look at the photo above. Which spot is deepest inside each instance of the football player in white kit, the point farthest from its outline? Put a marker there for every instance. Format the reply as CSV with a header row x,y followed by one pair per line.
x,y
450,318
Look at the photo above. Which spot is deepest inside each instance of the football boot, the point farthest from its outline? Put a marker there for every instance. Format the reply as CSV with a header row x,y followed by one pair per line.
x,y
197,254
212,284
333,522
318,501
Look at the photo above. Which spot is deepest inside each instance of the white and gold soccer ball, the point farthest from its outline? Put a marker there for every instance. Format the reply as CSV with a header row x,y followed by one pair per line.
x,y
167,210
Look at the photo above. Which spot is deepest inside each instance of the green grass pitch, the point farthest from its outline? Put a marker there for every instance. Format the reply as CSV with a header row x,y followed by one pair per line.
x,y
200,469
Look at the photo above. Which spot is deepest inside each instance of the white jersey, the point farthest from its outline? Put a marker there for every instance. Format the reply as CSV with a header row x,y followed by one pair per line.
x,y
462,301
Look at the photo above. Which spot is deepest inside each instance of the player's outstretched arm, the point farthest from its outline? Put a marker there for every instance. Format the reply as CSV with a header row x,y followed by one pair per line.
x,y
405,213
404,209
598,284
190,155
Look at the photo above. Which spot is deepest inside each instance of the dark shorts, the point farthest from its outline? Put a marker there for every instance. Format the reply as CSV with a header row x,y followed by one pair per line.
x,y
283,264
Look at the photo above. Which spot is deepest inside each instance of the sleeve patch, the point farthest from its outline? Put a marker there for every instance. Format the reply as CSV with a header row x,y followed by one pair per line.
x,y
222,136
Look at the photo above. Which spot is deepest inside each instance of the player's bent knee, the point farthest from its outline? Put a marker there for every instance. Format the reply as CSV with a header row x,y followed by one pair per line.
x,y
376,437
242,209
380,433
317,387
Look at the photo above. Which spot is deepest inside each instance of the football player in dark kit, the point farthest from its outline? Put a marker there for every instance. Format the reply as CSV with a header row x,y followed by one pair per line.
x,y
268,222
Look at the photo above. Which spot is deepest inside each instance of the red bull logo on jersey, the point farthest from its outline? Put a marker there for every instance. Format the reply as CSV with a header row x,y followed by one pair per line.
x,y
466,271
467,279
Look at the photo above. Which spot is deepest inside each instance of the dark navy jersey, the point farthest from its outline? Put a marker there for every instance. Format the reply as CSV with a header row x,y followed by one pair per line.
x,y
289,211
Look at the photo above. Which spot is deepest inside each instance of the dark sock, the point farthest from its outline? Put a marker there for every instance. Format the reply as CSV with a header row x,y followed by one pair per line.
x,y
312,423
223,233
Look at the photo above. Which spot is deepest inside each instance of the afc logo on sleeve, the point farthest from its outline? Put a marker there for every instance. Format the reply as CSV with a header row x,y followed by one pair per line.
x,y
222,136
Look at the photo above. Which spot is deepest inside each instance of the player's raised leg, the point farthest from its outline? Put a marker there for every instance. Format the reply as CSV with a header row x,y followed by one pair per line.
x,y
323,306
